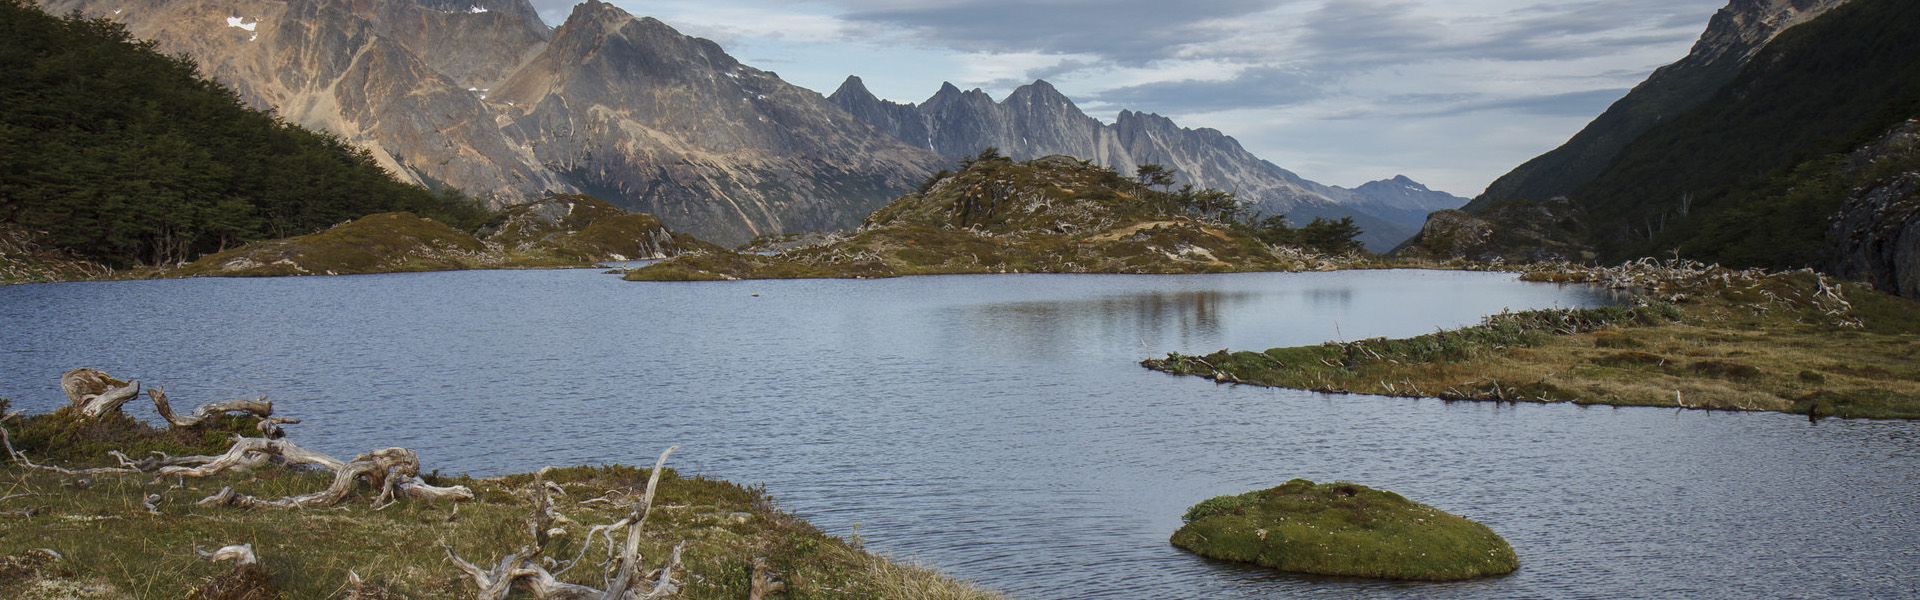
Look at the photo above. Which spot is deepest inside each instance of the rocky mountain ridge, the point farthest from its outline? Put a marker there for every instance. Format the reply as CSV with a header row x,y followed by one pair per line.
x,y
484,96
1803,158
1037,120
1732,37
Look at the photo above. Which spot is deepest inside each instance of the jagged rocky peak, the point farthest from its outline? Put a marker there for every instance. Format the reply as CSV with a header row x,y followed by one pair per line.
x,y
1746,25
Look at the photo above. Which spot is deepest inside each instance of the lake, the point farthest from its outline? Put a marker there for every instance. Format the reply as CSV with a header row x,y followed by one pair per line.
x,y
999,428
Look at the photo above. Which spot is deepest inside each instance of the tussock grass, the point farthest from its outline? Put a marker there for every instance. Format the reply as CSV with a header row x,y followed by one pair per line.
x,y
1697,337
1343,529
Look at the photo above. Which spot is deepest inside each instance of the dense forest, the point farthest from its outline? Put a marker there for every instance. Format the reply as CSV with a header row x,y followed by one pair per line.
x,y
128,156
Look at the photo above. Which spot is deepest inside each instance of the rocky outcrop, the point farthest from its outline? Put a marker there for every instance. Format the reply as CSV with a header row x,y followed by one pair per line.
x,y
1037,120
483,96
580,228
1876,236
1515,231
1054,214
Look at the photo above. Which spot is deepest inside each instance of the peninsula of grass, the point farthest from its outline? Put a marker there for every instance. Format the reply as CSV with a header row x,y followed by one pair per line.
x,y
1693,336
74,535
1346,530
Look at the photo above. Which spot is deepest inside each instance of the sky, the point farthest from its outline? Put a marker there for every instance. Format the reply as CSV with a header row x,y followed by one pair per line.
x,y
1453,93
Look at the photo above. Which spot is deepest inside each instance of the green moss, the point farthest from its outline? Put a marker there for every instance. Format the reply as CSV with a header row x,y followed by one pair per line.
x,y
1343,529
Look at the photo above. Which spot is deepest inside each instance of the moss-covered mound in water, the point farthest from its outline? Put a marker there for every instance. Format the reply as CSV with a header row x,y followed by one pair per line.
x,y
1346,530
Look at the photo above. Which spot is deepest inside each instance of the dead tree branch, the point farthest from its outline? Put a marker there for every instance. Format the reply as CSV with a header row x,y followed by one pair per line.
x,y
395,472
260,407
247,454
628,582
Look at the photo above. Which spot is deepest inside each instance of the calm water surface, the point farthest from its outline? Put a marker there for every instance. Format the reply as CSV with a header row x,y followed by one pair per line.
x,y
998,427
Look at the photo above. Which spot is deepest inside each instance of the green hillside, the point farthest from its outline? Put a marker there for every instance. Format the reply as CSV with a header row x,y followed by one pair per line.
x,y
127,156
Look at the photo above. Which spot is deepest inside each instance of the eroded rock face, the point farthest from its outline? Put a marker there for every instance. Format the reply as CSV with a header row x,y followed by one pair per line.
x,y
1876,236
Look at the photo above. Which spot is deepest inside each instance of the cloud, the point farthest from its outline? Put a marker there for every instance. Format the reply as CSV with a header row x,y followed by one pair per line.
x,y
1124,31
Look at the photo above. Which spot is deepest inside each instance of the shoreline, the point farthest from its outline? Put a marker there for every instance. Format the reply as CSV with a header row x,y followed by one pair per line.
x,y
1696,337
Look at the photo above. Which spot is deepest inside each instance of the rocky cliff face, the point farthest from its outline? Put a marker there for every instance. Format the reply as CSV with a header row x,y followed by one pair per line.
x,y
360,70
1876,236
1732,37
482,96
1037,120
678,128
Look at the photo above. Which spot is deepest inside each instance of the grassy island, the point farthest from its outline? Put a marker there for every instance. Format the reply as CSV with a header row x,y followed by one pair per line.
x,y
1343,529
1693,336
76,522
1053,214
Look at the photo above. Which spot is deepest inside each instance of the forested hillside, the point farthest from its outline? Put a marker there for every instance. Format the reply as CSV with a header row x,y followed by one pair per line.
x,y
127,156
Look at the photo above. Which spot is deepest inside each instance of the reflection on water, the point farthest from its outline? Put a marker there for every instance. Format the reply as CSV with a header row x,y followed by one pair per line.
x,y
1054,326
998,427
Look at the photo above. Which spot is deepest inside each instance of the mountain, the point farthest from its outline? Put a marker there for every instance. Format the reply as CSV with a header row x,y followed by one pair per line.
x,y
1803,158
1402,200
127,156
483,96
1732,37
1037,120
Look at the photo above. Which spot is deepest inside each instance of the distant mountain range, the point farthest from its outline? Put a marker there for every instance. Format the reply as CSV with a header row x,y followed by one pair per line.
x,y
483,96
1036,120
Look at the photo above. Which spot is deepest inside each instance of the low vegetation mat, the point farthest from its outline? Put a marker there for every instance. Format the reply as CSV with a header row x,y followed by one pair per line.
x,y
1691,336
1343,529
110,507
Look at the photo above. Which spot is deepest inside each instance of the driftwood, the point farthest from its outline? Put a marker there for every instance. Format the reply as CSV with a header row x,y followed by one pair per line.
x,y
260,407
247,454
395,472
627,582
95,393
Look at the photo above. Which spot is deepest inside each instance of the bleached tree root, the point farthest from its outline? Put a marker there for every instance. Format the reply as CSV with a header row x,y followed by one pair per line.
x,y
626,581
95,393
259,407
395,472
247,454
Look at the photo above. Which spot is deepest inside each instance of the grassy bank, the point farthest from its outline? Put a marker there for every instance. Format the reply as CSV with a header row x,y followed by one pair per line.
x,y
1343,529
110,545
1693,337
